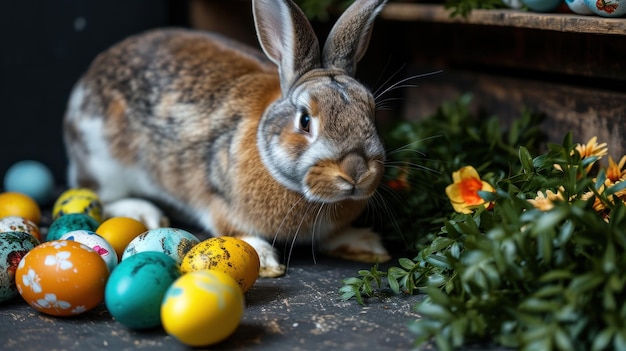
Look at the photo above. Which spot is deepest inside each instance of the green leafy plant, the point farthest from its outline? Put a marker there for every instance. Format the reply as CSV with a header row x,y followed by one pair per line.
x,y
321,9
464,7
540,264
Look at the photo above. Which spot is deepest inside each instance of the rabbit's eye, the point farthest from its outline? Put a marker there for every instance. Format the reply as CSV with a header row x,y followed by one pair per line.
x,y
305,123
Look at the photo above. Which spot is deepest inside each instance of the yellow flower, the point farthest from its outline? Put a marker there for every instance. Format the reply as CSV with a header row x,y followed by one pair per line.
x,y
463,193
592,148
615,171
546,202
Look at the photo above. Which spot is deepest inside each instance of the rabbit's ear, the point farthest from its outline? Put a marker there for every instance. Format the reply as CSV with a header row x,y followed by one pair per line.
x,y
287,38
350,36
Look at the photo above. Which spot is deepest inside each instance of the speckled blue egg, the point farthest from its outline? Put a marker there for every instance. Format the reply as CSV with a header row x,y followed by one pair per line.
x,y
32,178
13,246
608,8
70,222
173,242
136,288
96,243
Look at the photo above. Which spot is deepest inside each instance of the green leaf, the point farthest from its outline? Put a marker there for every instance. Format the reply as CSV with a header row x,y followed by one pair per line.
x,y
526,160
352,281
406,263
438,261
548,220
585,283
602,340
562,340
440,243
556,275
615,188
393,284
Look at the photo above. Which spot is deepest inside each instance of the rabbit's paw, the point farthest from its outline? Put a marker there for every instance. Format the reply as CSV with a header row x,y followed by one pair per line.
x,y
270,266
356,244
142,210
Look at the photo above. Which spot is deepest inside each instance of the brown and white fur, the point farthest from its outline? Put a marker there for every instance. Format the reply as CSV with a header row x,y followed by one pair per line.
x,y
283,149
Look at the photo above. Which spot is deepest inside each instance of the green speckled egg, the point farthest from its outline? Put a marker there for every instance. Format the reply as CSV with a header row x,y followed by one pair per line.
x,y
13,246
70,222
173,242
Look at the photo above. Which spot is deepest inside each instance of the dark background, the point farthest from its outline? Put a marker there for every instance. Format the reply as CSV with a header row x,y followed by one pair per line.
x,y
45,46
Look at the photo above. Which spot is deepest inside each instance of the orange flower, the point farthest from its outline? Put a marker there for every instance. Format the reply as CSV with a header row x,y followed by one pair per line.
x,y
592,148
615,171
546,202
463,193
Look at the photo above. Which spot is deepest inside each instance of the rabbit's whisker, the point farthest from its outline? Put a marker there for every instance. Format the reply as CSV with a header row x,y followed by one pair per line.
x,y
316,230
277,233
400,84
295,235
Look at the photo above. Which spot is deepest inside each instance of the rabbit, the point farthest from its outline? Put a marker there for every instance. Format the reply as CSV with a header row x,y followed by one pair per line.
x,y
278,146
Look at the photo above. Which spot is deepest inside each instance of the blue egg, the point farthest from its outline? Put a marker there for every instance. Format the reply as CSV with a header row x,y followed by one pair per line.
x,y
70,222
542,5
173,242
31,178
135,289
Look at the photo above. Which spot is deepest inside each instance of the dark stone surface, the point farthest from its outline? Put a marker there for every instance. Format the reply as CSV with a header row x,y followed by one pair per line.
x,y
300,311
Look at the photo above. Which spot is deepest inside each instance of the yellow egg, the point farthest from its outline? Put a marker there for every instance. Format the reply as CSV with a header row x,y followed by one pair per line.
x,y
21,205
202,308
232,256
78,200
119,231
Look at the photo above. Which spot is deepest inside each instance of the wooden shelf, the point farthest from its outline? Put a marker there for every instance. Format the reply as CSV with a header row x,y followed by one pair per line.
x,y
510,18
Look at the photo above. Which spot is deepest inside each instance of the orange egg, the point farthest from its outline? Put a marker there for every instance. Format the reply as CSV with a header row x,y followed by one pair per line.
x,y
119,231
62,278
18,204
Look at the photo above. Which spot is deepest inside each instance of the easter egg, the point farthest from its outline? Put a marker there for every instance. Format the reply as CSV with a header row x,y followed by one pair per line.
x,y
96,243
542,5
32,178
120,231
607,8
21,205
62,278
230,255
13,246
135,290
19,224
79,200
70,222
202,308
173,242
579,7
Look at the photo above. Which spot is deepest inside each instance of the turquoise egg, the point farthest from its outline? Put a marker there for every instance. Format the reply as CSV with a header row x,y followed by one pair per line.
x,y
135,290
173,242
70,222
542,5
13,246
32,178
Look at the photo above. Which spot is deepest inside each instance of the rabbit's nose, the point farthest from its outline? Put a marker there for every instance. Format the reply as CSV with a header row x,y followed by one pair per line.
x,y
354,166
